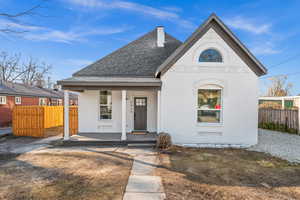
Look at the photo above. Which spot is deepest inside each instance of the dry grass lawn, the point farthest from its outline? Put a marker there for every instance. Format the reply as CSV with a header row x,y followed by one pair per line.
x,y
64,176
214,174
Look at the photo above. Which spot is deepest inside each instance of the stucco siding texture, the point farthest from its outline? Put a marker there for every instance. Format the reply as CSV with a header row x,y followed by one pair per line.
x,y
239,97
89,111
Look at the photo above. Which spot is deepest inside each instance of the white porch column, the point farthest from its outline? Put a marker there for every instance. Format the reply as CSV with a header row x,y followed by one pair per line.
x,y
282,103
158,111
66,115
123,137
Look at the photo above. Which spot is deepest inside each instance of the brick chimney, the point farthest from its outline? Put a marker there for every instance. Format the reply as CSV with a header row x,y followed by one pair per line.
x,y
160,36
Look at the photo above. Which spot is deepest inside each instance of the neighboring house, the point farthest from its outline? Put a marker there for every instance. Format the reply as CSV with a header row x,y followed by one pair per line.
x,y
12,94
57,97
285,102
203,91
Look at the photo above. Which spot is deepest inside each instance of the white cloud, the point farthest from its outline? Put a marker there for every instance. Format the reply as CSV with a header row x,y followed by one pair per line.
x,y
172,8
126,6
263,50
166,14
248,25
70,36
39,33
77,62
6,24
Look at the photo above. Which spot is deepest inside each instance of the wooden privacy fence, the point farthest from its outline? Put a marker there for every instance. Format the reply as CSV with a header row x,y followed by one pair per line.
x,y
73,120
35,120
284,120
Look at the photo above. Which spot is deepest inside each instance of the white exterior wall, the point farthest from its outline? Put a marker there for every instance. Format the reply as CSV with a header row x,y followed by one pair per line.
x,y
89,111
297,102
240,97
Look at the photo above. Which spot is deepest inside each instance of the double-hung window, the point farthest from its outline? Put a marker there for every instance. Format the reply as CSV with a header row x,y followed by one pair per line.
x,y
2,99
42,101
18,100
209,106
105,104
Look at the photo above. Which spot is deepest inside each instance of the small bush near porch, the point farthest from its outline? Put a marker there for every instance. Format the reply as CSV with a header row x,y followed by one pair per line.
x,y
215,174
64,175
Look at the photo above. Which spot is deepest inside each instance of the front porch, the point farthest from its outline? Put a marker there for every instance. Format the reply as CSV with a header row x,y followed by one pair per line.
x,y
147,137
112,139
110,114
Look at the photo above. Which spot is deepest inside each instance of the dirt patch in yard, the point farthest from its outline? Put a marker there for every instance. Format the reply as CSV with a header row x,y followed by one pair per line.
x,y
64,175
190,173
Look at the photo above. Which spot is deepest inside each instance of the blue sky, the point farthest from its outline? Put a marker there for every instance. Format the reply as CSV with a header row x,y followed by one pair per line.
x,y
69,34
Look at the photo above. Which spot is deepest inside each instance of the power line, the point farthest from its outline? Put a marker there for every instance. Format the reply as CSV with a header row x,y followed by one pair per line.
x,y
284,61
289,74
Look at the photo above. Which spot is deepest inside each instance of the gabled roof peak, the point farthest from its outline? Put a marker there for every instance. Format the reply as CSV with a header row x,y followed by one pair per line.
x,y
213,21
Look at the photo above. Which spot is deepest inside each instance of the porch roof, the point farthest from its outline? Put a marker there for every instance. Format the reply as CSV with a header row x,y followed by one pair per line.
x,y
95,83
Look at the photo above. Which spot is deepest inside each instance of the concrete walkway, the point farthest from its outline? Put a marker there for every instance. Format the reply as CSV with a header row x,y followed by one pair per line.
x,y
142,183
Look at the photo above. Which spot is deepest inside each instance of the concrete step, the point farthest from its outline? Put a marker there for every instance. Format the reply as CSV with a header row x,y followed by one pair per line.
x,y
134,143
142,145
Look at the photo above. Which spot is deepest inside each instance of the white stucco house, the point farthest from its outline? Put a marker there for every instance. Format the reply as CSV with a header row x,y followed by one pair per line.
x,y
203,91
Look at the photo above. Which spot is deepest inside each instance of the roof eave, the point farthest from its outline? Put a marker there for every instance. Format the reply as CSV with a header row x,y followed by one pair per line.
x,y
106,83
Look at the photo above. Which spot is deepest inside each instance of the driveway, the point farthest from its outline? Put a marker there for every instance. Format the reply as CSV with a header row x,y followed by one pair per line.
x,y
283,145
5,131
11,144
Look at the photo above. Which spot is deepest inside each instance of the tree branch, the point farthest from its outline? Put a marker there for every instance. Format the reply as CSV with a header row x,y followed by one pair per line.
x,y
26,12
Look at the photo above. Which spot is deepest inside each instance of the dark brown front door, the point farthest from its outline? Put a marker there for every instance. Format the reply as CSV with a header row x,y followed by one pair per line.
x,y
140,113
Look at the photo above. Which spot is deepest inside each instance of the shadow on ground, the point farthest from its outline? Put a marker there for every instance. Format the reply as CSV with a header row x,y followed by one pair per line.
x,y
73,175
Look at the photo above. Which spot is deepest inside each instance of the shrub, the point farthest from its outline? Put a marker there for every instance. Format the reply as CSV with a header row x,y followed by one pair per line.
x,y
163,141
277,127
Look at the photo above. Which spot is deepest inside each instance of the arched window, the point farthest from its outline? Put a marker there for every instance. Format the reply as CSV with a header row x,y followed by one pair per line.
x,y
210,55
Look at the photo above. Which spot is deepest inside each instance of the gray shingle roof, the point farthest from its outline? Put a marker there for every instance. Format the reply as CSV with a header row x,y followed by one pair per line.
x,y
17,89
140,58
22,90
110,81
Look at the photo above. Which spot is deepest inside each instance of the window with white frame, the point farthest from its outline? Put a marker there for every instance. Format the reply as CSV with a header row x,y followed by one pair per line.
x,y
42,101
18,100
2,99
105,104
209,106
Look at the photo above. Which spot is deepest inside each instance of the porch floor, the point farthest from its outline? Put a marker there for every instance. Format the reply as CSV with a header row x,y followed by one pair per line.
x,y
113,137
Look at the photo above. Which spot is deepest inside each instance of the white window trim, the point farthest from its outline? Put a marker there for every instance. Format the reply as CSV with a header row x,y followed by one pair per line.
x,y
4,101
210,45
18,102
212,48
42,101
221,109
99,108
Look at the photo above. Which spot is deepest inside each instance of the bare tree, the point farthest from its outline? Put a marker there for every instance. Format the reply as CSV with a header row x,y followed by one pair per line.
x,y
35,73
279,86
15,18
9,67
31,72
